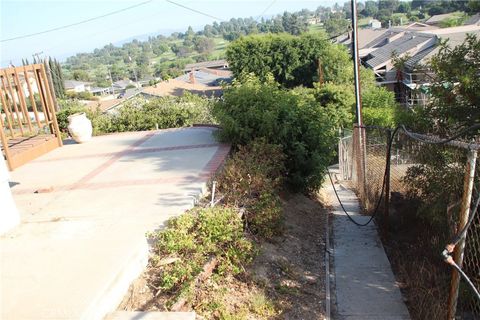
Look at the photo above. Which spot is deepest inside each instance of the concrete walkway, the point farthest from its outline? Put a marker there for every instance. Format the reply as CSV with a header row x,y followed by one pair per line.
x,y
365,286
85,210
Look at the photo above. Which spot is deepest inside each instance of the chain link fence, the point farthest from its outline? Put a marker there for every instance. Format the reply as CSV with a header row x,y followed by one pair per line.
x,y
428,188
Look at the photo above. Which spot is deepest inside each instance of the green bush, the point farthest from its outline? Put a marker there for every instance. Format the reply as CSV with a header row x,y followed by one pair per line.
x,y
251,179
138,115
294,119
69,107
194,237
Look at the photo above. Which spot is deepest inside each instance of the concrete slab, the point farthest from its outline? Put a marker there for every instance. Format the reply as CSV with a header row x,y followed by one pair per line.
x,y
365,286
82,238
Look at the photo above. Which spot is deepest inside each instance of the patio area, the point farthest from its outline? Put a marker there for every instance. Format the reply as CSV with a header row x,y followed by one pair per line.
x,y
85,209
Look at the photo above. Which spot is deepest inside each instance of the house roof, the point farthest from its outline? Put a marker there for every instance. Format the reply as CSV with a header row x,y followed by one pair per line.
x,y
475,19
454,39
175,87
380,39
70,84
207,78
122,83
206,64
365,36
402,45
438,18
98,89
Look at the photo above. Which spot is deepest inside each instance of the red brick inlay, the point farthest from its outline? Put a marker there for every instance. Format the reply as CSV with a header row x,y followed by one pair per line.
x,y
208,170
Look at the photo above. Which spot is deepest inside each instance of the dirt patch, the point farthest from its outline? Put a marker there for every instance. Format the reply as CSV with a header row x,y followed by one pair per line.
x,y
285,281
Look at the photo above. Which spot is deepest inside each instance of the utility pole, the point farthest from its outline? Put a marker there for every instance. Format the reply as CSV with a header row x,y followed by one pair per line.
x,y
361,163
356,69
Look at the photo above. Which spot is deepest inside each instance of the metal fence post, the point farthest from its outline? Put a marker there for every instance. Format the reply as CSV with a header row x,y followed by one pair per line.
x,y
463,219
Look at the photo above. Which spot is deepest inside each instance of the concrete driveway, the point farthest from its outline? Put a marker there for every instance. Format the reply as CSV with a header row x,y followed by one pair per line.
x,y
85,209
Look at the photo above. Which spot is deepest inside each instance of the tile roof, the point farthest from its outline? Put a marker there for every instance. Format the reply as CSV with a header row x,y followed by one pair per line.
x,y
401,45
454,39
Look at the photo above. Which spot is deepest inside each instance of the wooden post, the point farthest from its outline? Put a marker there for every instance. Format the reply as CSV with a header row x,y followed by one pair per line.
x,y
387,177
21,98
4,141
463,219
19,119
7,113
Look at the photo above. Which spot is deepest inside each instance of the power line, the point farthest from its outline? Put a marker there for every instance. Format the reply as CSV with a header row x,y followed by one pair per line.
x,y
194,10
76,23
267,8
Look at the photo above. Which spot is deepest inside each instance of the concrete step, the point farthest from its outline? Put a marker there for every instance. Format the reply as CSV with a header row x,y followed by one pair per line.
x,y
150,315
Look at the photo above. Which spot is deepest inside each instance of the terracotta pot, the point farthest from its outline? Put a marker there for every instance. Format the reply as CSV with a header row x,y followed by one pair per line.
x,y
80,127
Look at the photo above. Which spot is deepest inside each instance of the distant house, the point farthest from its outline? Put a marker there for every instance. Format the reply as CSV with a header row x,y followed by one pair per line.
x,y
76,86
147,80
437,19
473,20
215,64
314,20
121,85
417,47
98,91
110,105
375,24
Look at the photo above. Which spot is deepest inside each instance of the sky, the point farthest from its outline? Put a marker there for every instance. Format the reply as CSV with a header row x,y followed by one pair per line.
x,y
20,17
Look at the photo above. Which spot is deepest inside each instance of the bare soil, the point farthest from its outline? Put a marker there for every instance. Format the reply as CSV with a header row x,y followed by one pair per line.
x,y
285,281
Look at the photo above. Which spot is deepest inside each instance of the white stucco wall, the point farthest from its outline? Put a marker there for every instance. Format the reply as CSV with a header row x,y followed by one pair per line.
x,y
9,216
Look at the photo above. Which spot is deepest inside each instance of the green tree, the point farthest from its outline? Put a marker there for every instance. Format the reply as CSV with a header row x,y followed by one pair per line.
x,y
204,45
455,94
81,75
371,8
292,60
336,26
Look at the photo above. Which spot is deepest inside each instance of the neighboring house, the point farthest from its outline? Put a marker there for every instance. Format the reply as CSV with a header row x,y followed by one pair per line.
x,y
375,24
110,105
417,47
215,64
121,85
365,36
314,20
174,87
208,77
436,20
473,20
97,91
76,86
147,80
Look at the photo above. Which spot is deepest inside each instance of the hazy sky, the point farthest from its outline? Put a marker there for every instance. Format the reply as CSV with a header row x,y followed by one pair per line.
x,y
19,17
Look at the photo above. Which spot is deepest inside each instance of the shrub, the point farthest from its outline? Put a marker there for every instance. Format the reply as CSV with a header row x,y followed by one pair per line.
x,y
194,237
294,119
138,115
69,107
251,179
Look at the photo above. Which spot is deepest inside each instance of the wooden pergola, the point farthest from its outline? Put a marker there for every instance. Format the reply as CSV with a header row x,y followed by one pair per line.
x,y
28,124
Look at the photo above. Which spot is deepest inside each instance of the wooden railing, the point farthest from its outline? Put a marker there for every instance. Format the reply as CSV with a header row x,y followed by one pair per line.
x,y
26,109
